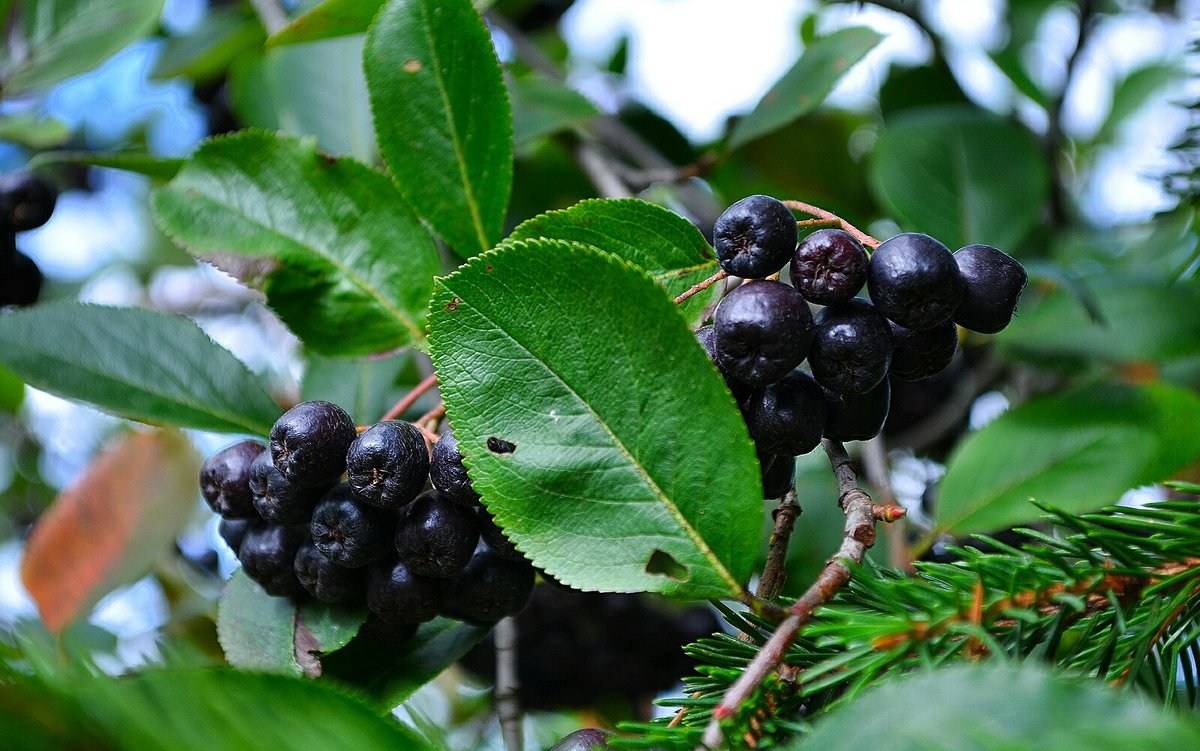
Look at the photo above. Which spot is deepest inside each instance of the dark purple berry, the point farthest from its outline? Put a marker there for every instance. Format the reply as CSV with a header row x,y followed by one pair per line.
x,y
755,237
778,475
761,331
490,533
276,499
708,340
233,531
852,347
489,588
994,281
20,280
436,536
267,555
309,443
857,417
920,354
914,281
387,465
350,533
447,472
829,266
787,417
398,596
587,739
325,580
225,480
26,201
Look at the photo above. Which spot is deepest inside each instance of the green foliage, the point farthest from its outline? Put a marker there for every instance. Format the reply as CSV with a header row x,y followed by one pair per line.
x,y
327,19
541,108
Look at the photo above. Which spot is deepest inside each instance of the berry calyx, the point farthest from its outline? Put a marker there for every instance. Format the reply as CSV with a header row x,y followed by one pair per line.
x,y
309,443
829,266
994,281
761,331
754,237
914,281
852,347
225,480
387,465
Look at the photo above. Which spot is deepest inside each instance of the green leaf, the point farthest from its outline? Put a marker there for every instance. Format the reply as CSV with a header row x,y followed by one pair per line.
x,y
997,706
592,423
662,243
32,131
63,38
541,107
139,364
256,630
350,269
961,175
331,18
1133,91
322,629
12,392
364,388
1077,452
205,53
806,84
442,117
140,162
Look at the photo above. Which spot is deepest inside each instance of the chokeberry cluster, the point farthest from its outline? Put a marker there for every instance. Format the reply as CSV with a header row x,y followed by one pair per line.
x,y
762,331
26,203
341,516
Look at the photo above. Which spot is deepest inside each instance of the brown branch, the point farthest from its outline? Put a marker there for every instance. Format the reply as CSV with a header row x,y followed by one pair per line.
x,y
410,398
774,574
857,537
508,707
875,463
701,286
598,167
829,216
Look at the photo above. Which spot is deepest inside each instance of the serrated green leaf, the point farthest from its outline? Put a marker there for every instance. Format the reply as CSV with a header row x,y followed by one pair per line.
x,y
140,162
135,363
63,38
997,706
256,630
592,423
1077,452
350,268
33,132
442,116
806,84
662,243
205,53
331,18
541,107
961,175
322,628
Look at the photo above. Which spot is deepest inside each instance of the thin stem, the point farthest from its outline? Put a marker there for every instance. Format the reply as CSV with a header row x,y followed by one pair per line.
x,y
829,216
410,398
271,13
600,171
875,465
774,574
430,418
701,286
508,707
1054,132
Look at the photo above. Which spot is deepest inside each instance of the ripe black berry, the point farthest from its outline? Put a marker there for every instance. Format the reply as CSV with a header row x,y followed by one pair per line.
x,y
829,266
233,531
755,237
26,201
778,473
761,331
387,465
787,417
489,588
309,443
994,281
921,354
225,480
350,533
708,340
587,739
857,417
914,281
20,280
852,347
398,596
435,535
490,533
277,500
447,472
324,579
267,555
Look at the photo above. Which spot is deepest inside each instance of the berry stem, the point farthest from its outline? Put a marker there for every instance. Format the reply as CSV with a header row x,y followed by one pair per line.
x,y
829,216
774,574
508,708
701,286
874,459
410,398
857,537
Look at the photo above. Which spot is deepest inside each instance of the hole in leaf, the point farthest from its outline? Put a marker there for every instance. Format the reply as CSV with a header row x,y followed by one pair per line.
x,y
663,564
500,446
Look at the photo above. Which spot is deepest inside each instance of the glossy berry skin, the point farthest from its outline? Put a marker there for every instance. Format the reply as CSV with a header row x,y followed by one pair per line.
x,y
20,280
755,237
350,533
275,499
787,417
857,417
917,355
26,202
852,347
225,480
761,331
829,266
489,588
491,534
914,281
233,531
398,596
587,739
778,474
436,536
707,338
447,472
309,443
325,580
994,281
387,465
267,554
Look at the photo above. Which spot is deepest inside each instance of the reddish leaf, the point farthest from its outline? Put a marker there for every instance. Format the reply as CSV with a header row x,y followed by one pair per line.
x,y
111,525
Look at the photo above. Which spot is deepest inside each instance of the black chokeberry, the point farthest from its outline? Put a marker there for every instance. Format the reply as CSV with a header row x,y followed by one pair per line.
x,y
20,280
787,417
852,347
233,531
26,201
778,475
755,237
994,281
829,266
349,532
309,443
447,472
914,281
761,331
325,580
857,417
708,340
436,536
387,465
587,739
490,533
268,552
920,354
276,499
489,588
225,480
399,596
